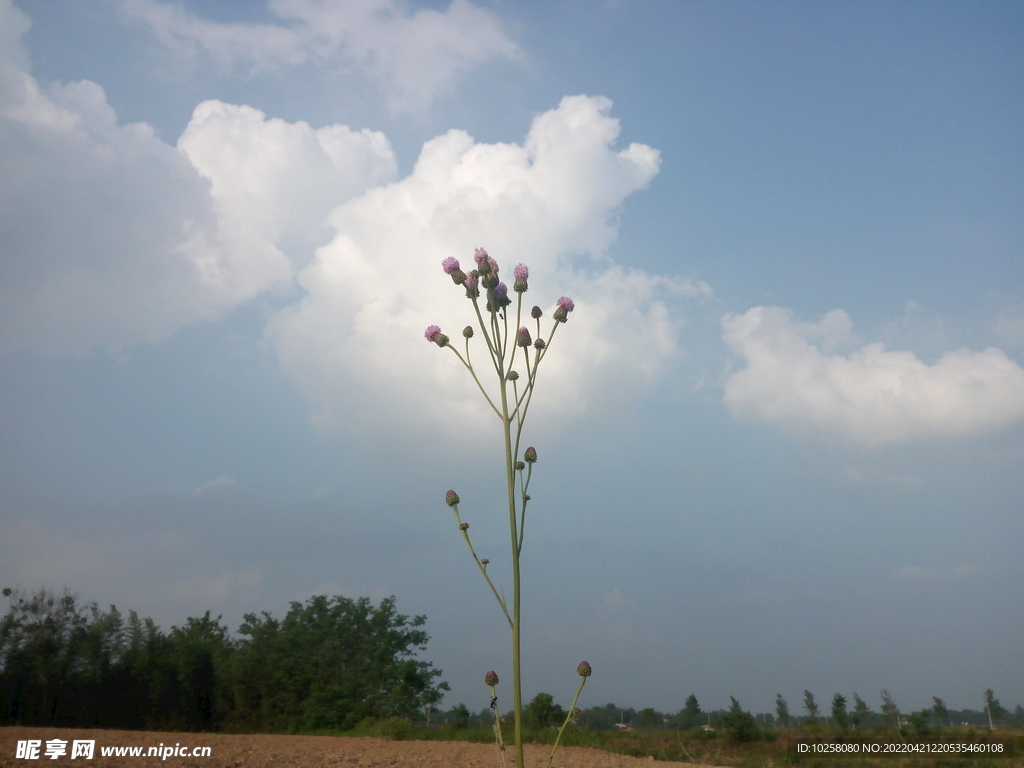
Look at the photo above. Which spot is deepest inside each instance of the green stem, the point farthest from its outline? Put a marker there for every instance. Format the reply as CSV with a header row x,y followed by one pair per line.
x,y
568,717
481,566
497,726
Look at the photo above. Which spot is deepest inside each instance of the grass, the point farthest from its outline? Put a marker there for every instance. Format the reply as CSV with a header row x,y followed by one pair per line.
x,y
709,748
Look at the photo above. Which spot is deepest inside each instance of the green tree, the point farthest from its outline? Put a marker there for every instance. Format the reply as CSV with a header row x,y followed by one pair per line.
x,y
939,710
741,725
811,706
781,711
542,712
839,713
648,718
332,663
460,716
861,712
890,710
689,715
996,712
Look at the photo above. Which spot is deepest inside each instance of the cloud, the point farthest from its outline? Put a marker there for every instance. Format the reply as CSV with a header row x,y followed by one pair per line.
x,y
922,575
869,397
413,55
111,237
357,336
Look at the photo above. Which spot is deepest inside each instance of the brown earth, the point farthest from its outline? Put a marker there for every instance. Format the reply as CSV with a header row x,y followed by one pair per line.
x,y
261,750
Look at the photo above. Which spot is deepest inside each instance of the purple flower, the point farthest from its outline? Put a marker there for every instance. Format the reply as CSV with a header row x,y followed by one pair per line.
x,y
472,289
451,498
500,297
449,265
530,455
521,273
584,670
523,337
433,334
565,306
491,678
480,255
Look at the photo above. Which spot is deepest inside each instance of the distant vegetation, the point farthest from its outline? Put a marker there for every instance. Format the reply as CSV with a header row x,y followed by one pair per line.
x,y
336,665
328,664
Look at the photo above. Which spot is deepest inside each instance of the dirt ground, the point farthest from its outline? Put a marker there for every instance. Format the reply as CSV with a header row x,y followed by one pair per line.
x,y
230,750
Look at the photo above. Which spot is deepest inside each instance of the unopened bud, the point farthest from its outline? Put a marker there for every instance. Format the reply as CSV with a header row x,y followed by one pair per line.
x,y
575,712
519,465
539,344
463,526
584,670
523,337
468,331
491,678
530,455
485,561
451,498
536,313
512,376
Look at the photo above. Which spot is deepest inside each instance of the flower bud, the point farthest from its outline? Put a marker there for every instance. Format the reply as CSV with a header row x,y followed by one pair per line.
x,y
463,526
485,561
539,344
530,455
584,670
491,678
536,313
523,337
512,376
575,712
521,273
468,331
519,465
472,289
451,498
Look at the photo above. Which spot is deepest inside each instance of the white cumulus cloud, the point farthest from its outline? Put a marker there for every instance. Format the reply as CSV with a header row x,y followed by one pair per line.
x,y
358,334
871,396
413,56
112,237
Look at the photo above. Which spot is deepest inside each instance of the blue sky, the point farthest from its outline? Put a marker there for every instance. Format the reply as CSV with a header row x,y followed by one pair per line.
x,y
782,435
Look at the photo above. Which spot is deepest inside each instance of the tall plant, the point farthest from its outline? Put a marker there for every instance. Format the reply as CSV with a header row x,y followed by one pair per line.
x,y
508,347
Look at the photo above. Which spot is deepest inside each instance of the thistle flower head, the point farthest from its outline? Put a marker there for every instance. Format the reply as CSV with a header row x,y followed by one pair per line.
x,y
521,274
451,267
451,498
523,337
512,375
433,334
539,344
472,289
463,526
584,670
530,455
491,678
479,255
501,298
536,313
468,331
520,465
575,712
565,306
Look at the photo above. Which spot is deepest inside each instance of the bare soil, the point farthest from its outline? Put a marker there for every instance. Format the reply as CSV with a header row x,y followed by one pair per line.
x,y
259,750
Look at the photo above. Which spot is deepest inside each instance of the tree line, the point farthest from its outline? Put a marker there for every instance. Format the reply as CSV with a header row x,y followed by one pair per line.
x,y
741,725
330,663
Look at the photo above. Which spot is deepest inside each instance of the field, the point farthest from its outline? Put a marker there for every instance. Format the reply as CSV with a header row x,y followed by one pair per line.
x,y
402,749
